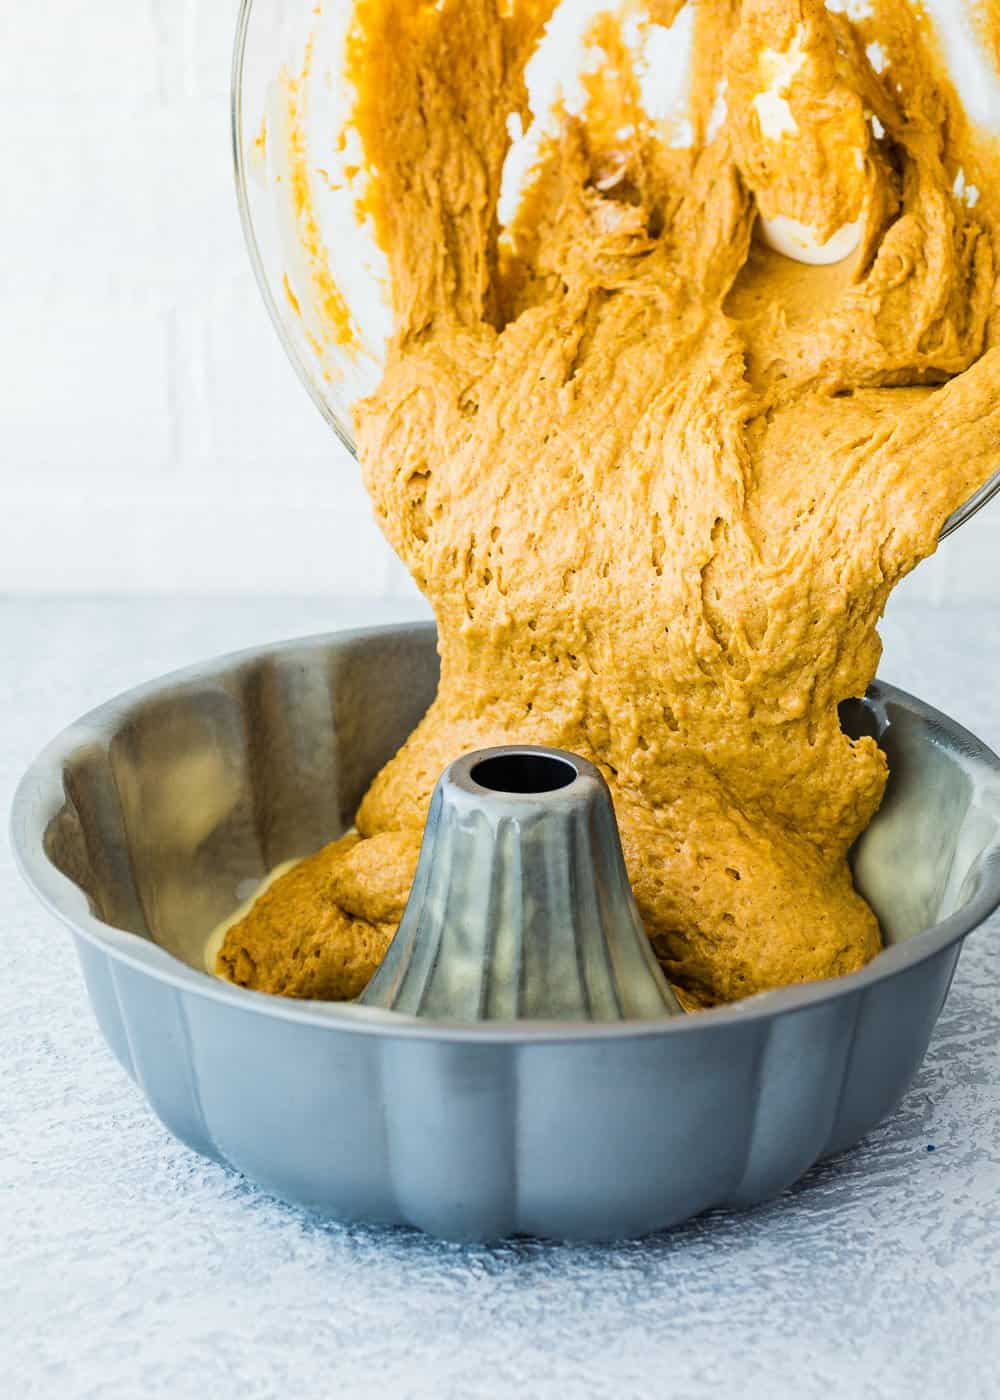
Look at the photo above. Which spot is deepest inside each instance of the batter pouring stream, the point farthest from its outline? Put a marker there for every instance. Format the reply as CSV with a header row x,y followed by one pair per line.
x,y
656,479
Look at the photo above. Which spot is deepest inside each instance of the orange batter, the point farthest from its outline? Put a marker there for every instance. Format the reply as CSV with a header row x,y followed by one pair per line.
x,y
657,480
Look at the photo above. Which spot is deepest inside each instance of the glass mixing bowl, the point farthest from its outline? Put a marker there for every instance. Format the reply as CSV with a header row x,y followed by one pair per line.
x,y
298,182
296,201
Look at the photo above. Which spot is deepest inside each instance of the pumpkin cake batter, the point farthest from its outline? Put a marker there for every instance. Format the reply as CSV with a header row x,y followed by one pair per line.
x,y
657,479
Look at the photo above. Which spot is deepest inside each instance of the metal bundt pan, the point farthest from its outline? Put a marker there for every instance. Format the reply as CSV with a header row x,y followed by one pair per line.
x,y
142,824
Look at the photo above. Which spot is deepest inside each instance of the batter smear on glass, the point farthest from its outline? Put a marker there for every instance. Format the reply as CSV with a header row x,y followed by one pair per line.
x,y
657,479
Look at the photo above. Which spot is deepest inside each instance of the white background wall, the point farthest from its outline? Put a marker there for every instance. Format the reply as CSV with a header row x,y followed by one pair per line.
x,y
152,435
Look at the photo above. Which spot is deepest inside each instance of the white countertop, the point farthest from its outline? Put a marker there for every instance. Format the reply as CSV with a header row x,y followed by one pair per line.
x,y
129,1267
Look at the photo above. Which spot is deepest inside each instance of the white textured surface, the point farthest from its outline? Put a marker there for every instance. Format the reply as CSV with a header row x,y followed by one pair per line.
x,y
154,435
131,1268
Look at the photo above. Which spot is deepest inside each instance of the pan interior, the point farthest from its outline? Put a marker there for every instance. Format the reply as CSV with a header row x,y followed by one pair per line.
x,y
178,801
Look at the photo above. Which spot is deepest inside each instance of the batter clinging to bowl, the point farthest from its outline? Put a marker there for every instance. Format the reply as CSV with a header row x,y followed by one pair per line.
x,y
656,478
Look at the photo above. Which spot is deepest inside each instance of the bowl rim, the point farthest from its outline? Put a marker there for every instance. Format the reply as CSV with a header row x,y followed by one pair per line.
x,y
237,127
40,796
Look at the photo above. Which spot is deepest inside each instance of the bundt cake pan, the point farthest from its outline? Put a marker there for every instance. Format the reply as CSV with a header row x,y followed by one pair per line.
x,y
146,822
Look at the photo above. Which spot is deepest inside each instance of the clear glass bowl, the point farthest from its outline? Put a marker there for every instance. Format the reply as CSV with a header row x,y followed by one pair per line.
x,y
298,197
296,202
